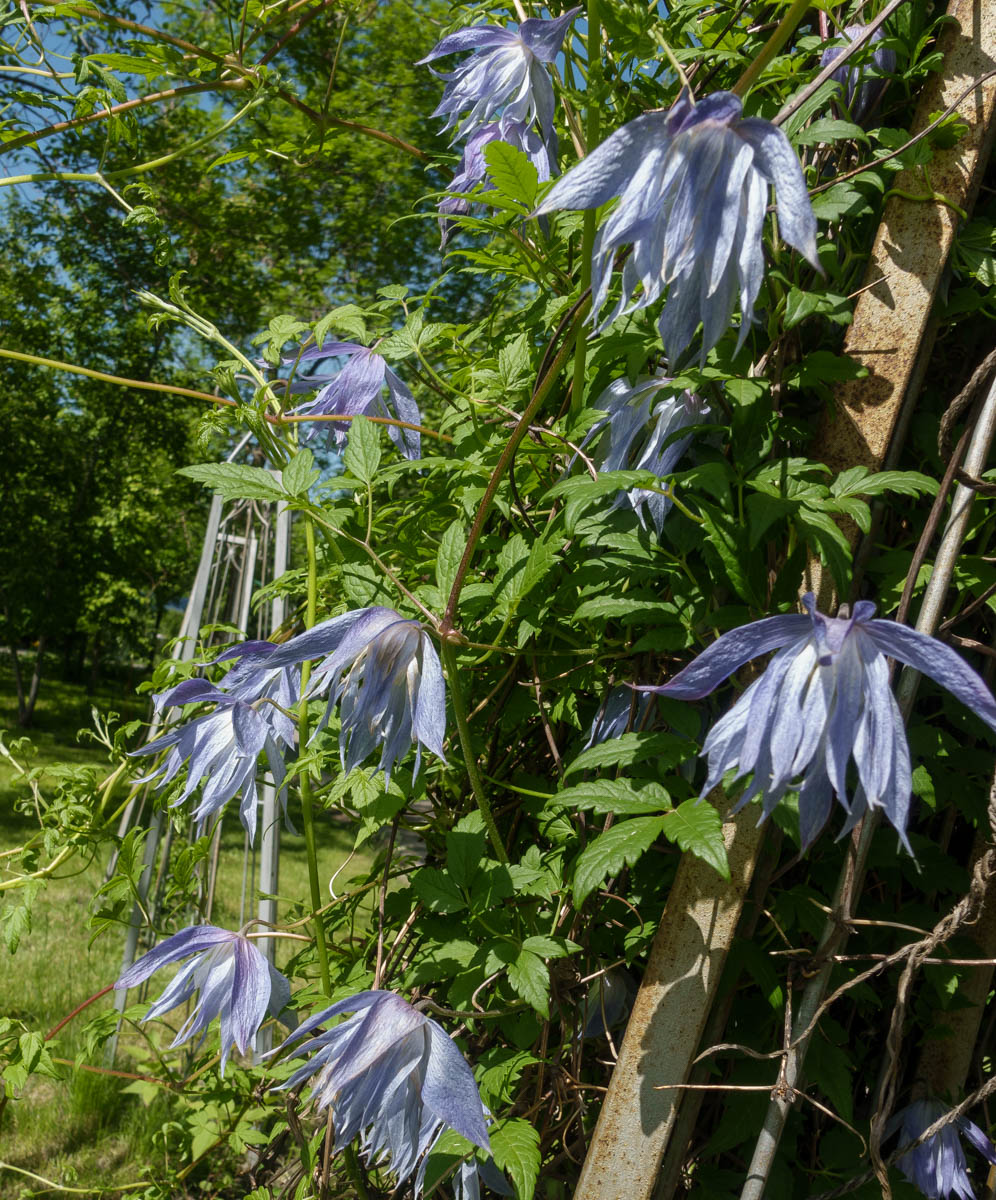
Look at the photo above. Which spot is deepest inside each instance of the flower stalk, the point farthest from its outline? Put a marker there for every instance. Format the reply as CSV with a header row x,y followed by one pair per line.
x,y
448,655
307,809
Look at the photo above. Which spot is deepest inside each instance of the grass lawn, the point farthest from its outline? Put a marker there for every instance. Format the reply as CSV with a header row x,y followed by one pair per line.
x,y
82,1132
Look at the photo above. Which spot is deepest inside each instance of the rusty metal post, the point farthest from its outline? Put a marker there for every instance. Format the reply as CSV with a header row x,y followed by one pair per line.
x,y
670,1013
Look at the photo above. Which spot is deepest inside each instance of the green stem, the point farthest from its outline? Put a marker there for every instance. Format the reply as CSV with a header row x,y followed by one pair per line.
x,y
543,389
470,759
307,811
592,130
786,27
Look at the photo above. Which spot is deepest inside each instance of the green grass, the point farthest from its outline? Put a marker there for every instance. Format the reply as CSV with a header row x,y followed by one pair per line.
x,y
82,1131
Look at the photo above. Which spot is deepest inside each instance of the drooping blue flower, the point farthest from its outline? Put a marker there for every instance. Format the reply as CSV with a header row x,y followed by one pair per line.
x,y
222,747
693,187
474,167
862,83
506,73
357,389
620,710
823,699
938,1167
234,979
383,671
639,428
394,1077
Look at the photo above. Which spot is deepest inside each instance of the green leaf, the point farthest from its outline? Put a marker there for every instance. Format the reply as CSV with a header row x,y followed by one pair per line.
x,y
583,491
827,131
634,747
233,481
530,978
451,548
513,175
465,846
347,318
362,453
516,1148
859,482
614,796
695,825
550,947
729,539
619,846
437,891
300,473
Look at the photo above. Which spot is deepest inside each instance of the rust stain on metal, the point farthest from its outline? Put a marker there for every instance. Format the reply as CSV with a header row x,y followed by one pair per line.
x,y
912,248
667,1020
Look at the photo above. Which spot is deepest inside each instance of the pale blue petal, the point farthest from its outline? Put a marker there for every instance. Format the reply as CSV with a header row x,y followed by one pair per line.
x,y
729,652
605,171
936,660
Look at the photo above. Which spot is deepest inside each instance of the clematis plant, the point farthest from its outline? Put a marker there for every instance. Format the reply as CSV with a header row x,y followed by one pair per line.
x,y
356,389
221,748
506,73
693,187
638,433
394,1077
823,699
235,981
938,1166
473,168
862,83
383,671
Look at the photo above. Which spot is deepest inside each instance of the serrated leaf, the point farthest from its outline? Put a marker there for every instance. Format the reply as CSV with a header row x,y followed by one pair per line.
x,y
513,175
515,1145
605,607
550,947
465,847
631,748
300,473
857,481
619,846
827,131
233,481
696,826
582,491
437,891
451,548
614,796
362,453
530,979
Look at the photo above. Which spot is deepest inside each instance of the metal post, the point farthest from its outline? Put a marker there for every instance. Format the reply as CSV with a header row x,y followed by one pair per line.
x,y
269,839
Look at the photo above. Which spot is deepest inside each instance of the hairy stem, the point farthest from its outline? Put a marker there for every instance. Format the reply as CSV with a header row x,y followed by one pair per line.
x,y
469,757
785,29
592,131
542,391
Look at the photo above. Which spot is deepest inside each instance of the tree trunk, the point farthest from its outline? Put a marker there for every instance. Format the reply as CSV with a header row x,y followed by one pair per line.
x,y
18,683
27,711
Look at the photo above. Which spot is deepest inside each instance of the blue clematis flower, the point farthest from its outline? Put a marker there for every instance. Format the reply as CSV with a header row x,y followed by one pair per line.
x,y
862,83
474,167
640,423
938,1167
693,187
383,671
505,73
357,389
394,1077
617,714
234,979
823,699
222,747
